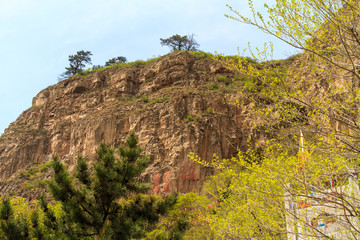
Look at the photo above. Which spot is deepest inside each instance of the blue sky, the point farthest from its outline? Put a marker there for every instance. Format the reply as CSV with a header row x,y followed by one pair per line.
x,y
37,36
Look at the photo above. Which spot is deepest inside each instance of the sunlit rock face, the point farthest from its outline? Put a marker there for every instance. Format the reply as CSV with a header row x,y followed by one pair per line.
x,y
174,104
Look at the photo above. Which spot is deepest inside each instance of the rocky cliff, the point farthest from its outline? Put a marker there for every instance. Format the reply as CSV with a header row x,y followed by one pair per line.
x,y
175,105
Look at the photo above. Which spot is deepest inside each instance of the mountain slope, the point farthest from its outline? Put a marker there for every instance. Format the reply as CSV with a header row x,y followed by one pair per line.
x,y
175,105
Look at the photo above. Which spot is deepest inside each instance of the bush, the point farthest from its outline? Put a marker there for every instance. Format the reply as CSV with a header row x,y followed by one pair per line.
x,y
213,86
112,61
209,111
223,79
96,67
202,54
145,99
158,100
192,118
34,171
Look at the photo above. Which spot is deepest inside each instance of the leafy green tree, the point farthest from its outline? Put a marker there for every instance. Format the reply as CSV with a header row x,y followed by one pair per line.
x,y
95,67
177,42
184,220
279,195
322,86
119,59
282,195
77,63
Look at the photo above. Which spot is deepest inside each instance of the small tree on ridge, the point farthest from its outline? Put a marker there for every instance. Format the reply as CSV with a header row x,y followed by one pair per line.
x,y
112,61
177,42
77,63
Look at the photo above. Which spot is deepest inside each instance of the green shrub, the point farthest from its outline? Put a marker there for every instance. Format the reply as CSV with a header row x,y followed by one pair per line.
x,y
158,100
184,220
42,183
45,166
29,186
236,58
96,67
138,63
232,88
35,171
202,54
250,86
209,111
145,99
24,174
213,86
223,79
192,118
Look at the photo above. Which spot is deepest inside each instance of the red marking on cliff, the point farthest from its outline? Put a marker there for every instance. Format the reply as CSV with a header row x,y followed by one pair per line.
x,y
156,178
188,172
165,186
156,189
166,177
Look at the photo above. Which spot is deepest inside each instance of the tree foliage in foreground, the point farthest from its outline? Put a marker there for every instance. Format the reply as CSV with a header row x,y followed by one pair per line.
x,y
280,192
185,220
177,43
105,203
12,226
265,198
280,195
323,86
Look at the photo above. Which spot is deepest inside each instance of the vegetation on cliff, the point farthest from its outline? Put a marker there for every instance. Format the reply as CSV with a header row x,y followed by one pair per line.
x,y
292,188
297,189
279,188
178,43
104,202
77,63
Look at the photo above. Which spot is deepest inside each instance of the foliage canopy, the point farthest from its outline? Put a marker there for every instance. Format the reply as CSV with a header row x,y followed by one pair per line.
x,y
318,93
323,85
77,63
177,43
112,61
105,203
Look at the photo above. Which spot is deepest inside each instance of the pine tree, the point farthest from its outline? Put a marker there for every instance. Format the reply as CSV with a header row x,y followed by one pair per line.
x,y
177,43
14,228
112,61
106,202
77,63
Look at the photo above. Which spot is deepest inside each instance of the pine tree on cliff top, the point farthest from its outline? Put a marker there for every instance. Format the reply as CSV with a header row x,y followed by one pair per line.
x,y
105,203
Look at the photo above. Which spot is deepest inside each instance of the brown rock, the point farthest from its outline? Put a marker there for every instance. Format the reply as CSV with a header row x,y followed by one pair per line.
x,y
75,115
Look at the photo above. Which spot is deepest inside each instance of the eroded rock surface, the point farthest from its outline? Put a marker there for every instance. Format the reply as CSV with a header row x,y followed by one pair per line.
x,y
174,105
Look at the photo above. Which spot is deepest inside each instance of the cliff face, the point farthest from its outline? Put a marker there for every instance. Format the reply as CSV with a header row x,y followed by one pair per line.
x,y
175,106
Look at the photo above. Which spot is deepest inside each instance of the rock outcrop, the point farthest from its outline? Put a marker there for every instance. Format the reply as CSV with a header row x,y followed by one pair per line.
x,y
174,104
